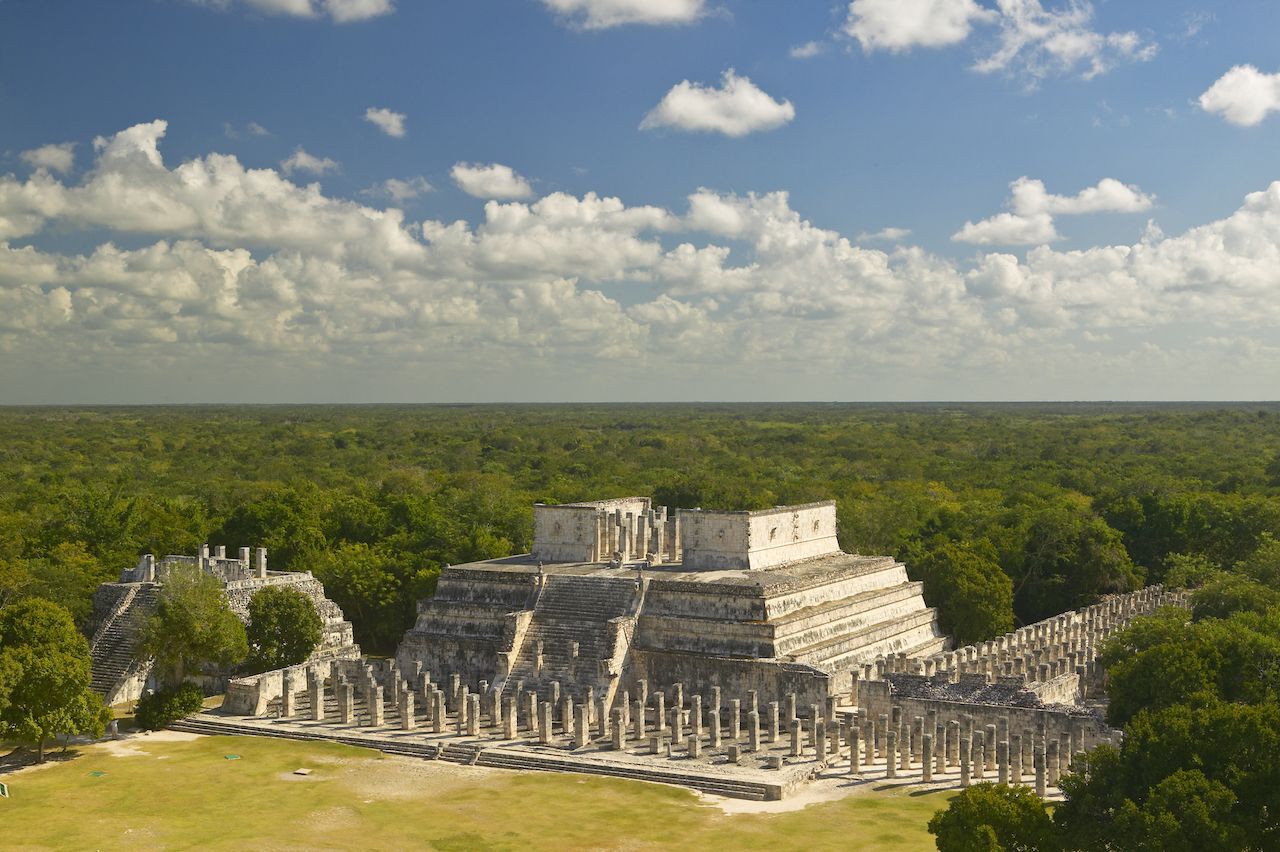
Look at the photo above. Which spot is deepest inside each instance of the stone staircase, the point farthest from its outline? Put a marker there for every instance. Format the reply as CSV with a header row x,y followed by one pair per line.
x,y
583,626
116,640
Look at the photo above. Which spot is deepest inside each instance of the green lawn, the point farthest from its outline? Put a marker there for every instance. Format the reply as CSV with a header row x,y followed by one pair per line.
x,y
187,794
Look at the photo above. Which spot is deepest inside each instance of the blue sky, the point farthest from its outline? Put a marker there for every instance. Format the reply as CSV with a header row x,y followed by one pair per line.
x,y
638,199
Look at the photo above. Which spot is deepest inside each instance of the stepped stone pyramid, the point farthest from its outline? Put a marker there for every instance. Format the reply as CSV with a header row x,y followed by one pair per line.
x,y
616,593
121,609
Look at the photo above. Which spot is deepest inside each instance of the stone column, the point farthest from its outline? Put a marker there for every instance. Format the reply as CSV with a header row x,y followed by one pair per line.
x,y
438,711
791,706
346,695
455,687
544,722
694,746
917,738
463,710
714,704
695,716
566,716
964,761
677,724
989,742
904,749
1052,769
979,754
1002,762
773,721
405,705
287,704
953,742
926,758
753,701
735,720
1041,786
854,768
820,741
619,730
509,719
797,746
531,701
940,749
602,718
315,695
890,754
638,718
1015,759
582,728
714,719
882,728
869,743
677,695
377,708
660,712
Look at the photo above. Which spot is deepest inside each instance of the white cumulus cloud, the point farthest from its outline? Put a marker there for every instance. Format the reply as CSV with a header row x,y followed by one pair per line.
x,y
399,190
1030,221
603,14
1032,41
899,25
737,108
1243,96
388,121
58,158
808,50
339,11
490,181
301,161
1036,42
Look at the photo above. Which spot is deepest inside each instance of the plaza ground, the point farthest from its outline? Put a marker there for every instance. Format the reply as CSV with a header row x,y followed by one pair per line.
x,y
176,791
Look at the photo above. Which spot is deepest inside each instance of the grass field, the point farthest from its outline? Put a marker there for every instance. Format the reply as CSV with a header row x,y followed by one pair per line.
x,y
151,793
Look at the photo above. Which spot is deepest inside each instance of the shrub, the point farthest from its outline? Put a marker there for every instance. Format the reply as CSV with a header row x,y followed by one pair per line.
x,y
158,709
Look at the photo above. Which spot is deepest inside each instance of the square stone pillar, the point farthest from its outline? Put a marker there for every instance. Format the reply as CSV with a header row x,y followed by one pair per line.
x,y
797,742
638,717
288,707
509,718
375,707
619,730
854,763
694,747
660,712
695,716
964,761
714,719
1002,763
438,711
315,697
773,721
582,728
735,720
753,730
926,758
473,715
405,705
677,724
544,722
979,760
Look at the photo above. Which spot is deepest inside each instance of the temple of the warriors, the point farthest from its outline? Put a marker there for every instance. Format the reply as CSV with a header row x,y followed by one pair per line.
x,y
740,654
120,609
616,592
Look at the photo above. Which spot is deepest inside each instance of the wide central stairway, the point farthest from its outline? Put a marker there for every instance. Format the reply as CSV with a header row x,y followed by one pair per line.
x,y
580,625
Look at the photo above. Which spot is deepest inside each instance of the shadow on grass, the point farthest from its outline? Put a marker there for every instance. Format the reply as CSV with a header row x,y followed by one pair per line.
x,y
22,757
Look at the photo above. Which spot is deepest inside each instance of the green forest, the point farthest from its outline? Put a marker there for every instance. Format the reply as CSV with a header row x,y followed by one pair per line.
x,y
1009,513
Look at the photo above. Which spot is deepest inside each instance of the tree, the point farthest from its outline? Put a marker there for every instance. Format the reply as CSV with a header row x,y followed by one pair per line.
x,y
193,625
990,818
284,628
44,676
973,595
377,590
1230,594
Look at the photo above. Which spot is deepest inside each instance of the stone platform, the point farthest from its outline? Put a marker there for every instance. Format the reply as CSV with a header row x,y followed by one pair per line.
x,y
615,593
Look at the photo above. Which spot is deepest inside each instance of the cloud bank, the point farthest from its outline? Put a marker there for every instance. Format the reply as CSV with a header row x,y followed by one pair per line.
x,y
210,261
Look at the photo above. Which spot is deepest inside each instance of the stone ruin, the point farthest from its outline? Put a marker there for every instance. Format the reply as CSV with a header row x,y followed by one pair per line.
x,y
120,610
737,653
